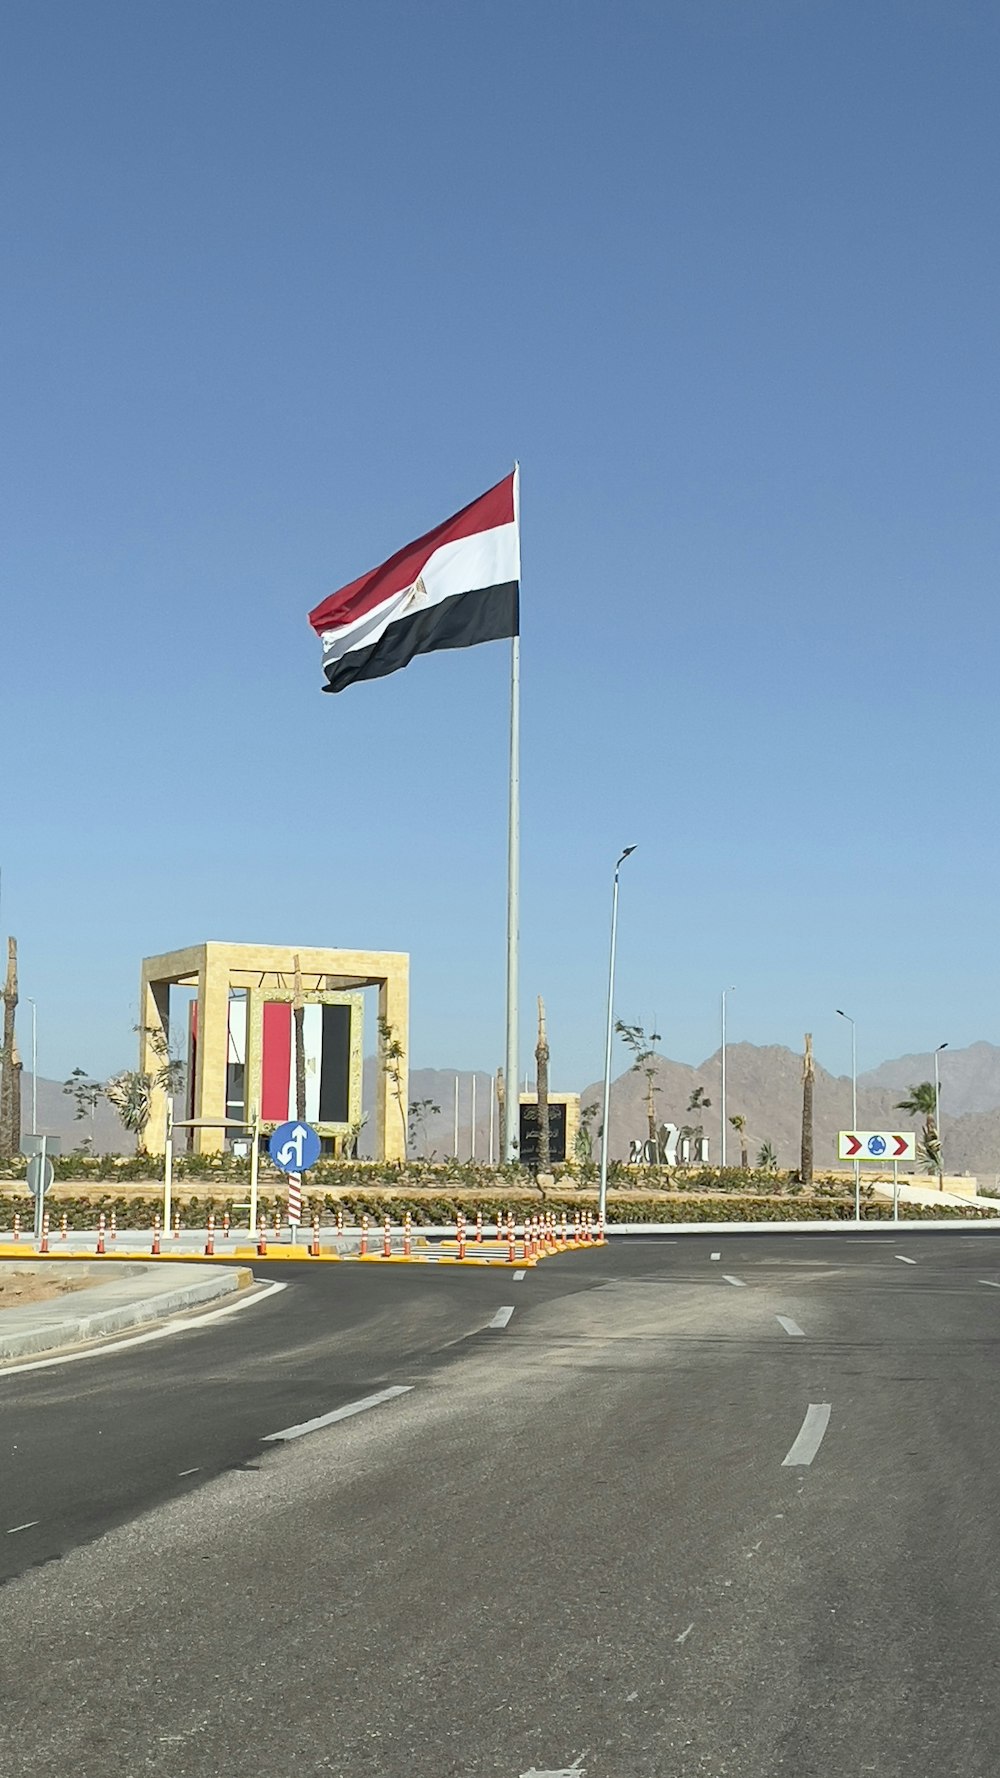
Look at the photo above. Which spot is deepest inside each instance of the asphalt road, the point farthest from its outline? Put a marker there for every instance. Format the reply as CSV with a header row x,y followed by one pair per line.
x,y
678,1515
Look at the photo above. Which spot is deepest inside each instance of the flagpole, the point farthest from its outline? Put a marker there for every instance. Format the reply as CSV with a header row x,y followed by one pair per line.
x,y
511,1135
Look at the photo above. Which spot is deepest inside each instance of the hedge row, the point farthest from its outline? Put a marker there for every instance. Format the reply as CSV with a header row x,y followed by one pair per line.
x,y
82,1212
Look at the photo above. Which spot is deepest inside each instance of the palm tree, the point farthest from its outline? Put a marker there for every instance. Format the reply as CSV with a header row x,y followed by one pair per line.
x,y
808,1080
739,1124
922,1102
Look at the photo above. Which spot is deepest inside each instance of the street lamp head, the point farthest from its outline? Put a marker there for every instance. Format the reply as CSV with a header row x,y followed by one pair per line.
x,y
626,854
841,1014
941,1046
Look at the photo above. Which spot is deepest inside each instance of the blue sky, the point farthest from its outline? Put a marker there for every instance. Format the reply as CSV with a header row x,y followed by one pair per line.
x,y
288,284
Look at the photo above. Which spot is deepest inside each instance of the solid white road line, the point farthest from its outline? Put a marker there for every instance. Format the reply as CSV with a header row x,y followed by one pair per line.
x,y
518,1277
906,1262
740,1281
791,1327
502,1316
810,1435
27,1527
142,1339
181,1473
353,1407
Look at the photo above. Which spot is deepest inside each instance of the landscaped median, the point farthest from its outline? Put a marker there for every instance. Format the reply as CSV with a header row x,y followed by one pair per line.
x,y
104,1297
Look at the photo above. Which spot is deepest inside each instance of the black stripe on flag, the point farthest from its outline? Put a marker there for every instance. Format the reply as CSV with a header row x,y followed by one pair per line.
x,y
335,1065
487,615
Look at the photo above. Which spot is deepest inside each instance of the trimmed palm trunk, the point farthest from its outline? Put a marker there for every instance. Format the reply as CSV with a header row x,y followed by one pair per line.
x,y
808,1082
10,1082
542,1086
299,1021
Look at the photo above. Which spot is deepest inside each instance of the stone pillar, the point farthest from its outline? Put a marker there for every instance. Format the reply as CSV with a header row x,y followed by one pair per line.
x,y
394,1011
154,1039
213,1049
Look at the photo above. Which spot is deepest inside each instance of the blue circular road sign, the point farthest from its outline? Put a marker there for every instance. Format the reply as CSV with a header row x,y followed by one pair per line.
x,y
293,1147
876,1145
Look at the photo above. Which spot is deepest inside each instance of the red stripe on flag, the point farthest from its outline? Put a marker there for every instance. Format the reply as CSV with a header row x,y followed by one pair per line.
x,y
401,570
276,1061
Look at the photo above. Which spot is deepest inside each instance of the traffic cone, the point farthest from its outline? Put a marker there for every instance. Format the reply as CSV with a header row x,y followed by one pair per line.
x,y
461,1235
363,1249
262,1238
407,1235
386,1239
65,1226
225,1225
44,1244
479,1228
340,1221
156,1233
314,1244
210,1235
277,1224
511,1244
177,1225
100,1234
113,1231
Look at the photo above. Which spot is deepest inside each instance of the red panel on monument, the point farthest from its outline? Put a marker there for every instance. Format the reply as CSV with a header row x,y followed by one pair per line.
x,y
276,1060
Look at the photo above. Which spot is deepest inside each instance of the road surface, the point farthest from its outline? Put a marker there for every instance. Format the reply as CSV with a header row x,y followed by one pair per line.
x,y
722,1507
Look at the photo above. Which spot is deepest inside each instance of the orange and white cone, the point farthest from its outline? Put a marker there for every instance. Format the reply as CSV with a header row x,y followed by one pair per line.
x,y
314,1244
407,1235
156,1233
460,1231
210,1235
113,1231
386,1239
225,1225
262,1237
100,1234
64,1230
17,1226
44,1243
479,1228
511,1244
363,1249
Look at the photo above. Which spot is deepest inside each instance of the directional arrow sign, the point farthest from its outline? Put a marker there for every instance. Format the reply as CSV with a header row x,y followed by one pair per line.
x,y
876,1145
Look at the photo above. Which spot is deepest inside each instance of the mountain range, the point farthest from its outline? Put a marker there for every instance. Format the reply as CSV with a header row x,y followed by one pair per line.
x,y
763,1084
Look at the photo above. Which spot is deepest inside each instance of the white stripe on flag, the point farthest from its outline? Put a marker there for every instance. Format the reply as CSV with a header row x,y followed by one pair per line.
x,y
314,1048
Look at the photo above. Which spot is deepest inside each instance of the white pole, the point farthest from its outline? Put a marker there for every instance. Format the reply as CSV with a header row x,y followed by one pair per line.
x,y
34,1068
722,1143
493,1102
937,1115
254,1169
511,1129
854,1106
473,1150
168,1168
895,1191
602,1202
455,1149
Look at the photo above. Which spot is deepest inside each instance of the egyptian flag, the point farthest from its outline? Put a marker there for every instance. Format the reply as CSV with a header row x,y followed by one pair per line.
x,y
454,587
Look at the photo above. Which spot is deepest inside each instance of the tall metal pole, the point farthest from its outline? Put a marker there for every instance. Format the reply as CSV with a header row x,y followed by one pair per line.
x,y
854,1107
455,1151
511,1103
254,1168
722,1143
937,1115
602,1203
34,1066
472,1145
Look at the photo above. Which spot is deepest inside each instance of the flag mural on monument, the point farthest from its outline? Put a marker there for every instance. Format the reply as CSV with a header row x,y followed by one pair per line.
x,y
455,587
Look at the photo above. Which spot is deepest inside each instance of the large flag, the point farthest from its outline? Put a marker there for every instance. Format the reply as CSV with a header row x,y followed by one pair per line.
x,y
454,587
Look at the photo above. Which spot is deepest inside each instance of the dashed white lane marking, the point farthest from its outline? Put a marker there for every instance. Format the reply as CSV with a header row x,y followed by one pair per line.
x,y
502,1316
715,1256
991,1282
740,1281
906,1262
576,1770
810,1435
183,1472
353,1407
153,1333
26,1527
790,1327
518,1277
684,1634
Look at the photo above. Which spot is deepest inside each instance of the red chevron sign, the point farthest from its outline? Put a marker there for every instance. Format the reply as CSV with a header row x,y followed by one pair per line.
x,y
876,1145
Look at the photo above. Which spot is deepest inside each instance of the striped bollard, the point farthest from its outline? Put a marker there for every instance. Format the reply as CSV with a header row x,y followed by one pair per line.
x,y
210,1235
576,1229
113,1231
314,1245
156,1233
564,1234
177,1225
386,1238
600,1229
225,1225
587,1229
340,1221
363,1249
479,1228
407,1235
460,1231
64,1227
511,1244
277,1223
17,1226
44,1243
262,1236
100,1234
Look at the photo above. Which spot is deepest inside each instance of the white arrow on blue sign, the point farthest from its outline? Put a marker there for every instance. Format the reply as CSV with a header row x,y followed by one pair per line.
x,y
293,1147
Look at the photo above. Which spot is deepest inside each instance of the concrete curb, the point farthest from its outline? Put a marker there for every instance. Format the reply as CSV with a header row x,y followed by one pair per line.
x,y
824,1226
44,1327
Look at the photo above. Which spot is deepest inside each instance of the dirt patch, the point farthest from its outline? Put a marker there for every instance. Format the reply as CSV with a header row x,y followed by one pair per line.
x,y
20,1288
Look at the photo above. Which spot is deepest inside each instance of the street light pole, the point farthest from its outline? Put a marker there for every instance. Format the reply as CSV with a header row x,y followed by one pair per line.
x,y
602,1202
937,1115
854,1107
34,1066
722,1143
